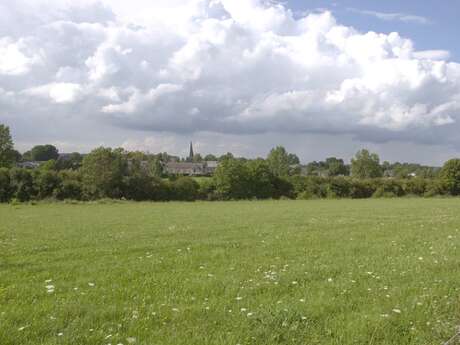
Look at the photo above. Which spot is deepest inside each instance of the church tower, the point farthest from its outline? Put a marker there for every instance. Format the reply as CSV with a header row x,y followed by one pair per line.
x,y
190,156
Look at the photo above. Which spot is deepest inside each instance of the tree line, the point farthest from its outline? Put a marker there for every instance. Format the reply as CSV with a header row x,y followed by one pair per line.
x,y
119,174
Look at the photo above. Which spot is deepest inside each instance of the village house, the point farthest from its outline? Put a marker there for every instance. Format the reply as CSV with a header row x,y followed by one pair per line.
x,y
191,168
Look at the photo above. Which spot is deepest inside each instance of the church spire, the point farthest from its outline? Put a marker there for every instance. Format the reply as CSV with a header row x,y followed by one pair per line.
x,y
190,157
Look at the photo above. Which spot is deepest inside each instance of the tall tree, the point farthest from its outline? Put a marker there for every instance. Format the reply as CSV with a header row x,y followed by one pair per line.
x,y
450,177
261,179
232,179
366,165
280,161
336,167
210,157
42,153
72,161
6,147
103,170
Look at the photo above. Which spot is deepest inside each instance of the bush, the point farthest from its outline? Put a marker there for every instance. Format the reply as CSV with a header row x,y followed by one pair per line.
x,y
415,186
362,189
70,187
185,189
22,184
433,188
338,188
389,189
308,187
47,183
207,190
232,180
5,186
450,177
282,188
102,172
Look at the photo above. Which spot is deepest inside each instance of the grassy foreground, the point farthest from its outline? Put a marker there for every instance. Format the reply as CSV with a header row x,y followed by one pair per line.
x,y
287,272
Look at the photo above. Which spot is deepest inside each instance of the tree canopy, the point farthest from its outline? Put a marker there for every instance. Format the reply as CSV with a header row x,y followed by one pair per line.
x,y
280,161
450,177
102,172
42,153
7,156
366,165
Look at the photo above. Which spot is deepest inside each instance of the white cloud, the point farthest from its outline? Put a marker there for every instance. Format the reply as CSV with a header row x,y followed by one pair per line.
x,y
138,101
221,66
407,18
13,60
432,54
61,93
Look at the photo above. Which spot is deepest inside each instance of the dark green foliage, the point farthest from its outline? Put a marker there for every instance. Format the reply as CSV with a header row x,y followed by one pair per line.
x,y
207,189
22,184
308,187
42,153
5,186
72,161
70,187
415,186
261,181
282,188
388,188
102,171
47,183
362,189
407,170
108,173
228,155
281,162
7,153
338,188
232,180
210,158
450,177
15,156
184,189
366,165
238,179
331,167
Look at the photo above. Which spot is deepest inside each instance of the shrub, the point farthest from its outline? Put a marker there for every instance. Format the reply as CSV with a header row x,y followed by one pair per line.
x,y
207,189
185,189
415,186
362,189
450,177
338,188
389,189
102,172
232,180
5,186
47,183
70,186
22,184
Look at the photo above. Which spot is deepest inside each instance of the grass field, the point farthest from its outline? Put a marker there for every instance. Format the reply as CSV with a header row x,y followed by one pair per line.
x,y
287,272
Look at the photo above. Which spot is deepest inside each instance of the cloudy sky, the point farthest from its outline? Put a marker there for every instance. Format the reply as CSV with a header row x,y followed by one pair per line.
x,y
319,77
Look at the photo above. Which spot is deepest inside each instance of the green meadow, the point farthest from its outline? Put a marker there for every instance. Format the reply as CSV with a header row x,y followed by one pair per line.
x,y
277,272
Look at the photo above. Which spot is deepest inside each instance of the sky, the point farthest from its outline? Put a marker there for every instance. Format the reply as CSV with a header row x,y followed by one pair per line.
x,y
322,78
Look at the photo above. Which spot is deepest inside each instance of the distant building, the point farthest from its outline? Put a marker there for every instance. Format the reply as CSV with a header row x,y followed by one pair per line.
x,y
191,154
29,164
211,167
191,169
